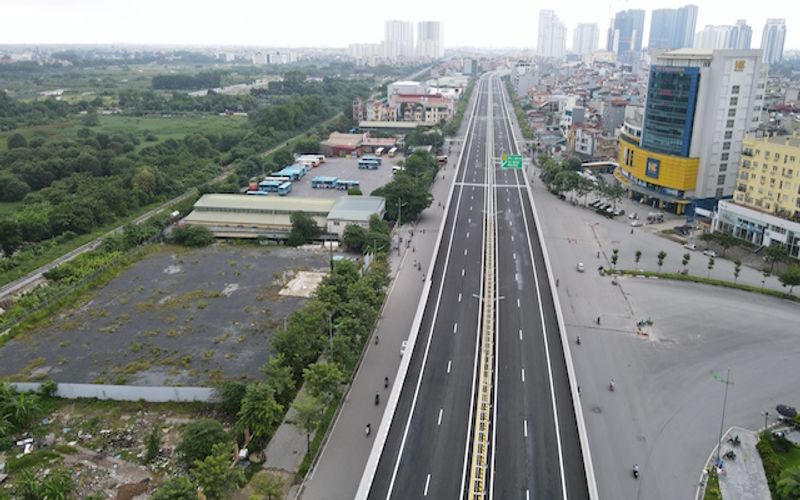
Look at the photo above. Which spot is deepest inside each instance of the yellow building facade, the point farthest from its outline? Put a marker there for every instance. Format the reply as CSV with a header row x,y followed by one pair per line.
x,y
769,175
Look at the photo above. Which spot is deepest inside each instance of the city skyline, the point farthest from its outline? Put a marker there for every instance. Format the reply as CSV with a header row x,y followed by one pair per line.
x,y
506,25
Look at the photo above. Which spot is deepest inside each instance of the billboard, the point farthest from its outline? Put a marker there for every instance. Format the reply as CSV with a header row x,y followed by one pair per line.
x,y
652,168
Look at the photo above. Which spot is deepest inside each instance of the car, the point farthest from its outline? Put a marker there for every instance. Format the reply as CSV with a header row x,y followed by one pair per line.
x,y
619,211
403,347
636,223
580,267
633,216
709,253
690,246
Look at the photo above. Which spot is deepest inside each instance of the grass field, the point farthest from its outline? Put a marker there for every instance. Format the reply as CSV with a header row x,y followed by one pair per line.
x,y
173,127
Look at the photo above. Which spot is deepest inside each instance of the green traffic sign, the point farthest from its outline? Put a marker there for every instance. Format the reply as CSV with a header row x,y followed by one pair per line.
x,y
512,161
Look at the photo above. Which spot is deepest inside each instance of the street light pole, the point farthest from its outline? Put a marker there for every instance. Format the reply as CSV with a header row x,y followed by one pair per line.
x,y
722,420
766,419
330,329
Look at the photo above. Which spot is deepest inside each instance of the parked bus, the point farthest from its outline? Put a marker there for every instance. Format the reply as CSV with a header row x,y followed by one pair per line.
x,y
285,188
279,178
255,192
269,186
345,185
379,152
368,163
392,152
373,158
322,182
397,168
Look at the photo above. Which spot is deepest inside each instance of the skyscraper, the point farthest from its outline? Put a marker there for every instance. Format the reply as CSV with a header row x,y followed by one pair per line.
x,y
772,40
429,40
625,34
742,35
672,28
699,106
585,38
399,39
552,35
714,37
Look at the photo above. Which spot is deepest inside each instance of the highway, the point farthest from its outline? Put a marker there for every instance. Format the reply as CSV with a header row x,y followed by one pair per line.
x,y
478,313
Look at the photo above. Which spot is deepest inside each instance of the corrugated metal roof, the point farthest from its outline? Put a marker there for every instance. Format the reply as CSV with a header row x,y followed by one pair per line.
x,y
209,202
357,208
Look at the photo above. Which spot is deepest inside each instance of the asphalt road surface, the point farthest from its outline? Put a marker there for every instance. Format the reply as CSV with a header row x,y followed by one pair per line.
x,y
535,444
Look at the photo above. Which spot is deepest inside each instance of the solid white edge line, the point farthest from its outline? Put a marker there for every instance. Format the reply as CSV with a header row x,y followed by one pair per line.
x,y
427,483
591,480
439,420
383,430
449,365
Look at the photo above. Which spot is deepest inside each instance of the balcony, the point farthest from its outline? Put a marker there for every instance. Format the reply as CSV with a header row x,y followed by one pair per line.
x,y
747,152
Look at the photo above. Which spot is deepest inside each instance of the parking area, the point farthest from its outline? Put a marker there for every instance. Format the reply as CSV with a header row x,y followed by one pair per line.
x,y
345,169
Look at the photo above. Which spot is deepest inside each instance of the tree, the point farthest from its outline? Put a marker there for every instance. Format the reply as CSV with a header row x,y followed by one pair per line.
x,y
637,256
661,256
10,236
176,488
192,236
685,261
90,119
260,414
614,257
21,409
354,191
267,486
153,445
231,395
214,473
788,485
737,269
304,229
198,439
323,380
791,277
725,240
12,188
283,157
308,145
309,414
279,376
354,237
15,141
710,264
775,253
764,275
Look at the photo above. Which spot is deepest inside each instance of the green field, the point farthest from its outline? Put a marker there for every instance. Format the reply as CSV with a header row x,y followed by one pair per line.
x,y
168,127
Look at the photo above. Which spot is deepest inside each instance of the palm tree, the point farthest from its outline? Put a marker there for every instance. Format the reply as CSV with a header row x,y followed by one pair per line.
x,y
710,264
661,256
685,262
737,269
637,256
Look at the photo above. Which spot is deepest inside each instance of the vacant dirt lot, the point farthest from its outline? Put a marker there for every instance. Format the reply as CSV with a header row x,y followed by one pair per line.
x,y
182,317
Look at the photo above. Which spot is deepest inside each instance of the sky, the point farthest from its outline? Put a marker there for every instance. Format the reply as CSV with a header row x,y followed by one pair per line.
x,y
337,23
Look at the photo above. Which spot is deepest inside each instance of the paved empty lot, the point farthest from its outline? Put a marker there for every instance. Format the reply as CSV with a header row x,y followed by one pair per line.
x,y
346,169
179,316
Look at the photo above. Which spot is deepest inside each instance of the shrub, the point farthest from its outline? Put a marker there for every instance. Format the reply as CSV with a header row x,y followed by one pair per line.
x,y
772,466
199,438
192,236
231,395
48,388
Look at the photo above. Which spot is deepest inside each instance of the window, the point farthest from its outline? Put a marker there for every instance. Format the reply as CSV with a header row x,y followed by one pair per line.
x,y
731,112
729,124
735,89
720,180
728,134
724,157
720,193
759,97
726,145
723,167
777,157
734,101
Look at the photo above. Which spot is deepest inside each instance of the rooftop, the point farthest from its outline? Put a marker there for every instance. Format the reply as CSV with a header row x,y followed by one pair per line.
x,y
357,208
342,139
211,202
780,140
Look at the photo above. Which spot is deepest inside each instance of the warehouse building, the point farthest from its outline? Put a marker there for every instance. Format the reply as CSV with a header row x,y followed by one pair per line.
x,y
242,216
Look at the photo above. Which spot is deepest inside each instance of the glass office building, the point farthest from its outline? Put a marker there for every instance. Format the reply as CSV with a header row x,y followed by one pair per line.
x,y
670,109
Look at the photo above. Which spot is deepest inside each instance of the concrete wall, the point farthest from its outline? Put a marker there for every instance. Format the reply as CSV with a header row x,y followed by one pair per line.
x,y
125,392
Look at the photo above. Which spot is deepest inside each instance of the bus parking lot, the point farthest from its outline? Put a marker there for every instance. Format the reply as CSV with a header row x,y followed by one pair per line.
x,y
345,169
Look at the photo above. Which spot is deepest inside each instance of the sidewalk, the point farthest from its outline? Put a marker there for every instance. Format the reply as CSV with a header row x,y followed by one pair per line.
x,y
743,477
341,463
